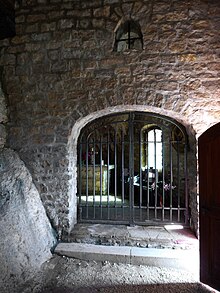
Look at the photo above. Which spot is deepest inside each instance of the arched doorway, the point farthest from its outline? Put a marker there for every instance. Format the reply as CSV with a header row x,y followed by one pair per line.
x,y
132,169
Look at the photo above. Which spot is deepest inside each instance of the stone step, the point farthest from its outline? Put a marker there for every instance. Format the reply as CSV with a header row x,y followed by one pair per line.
x,y
183,259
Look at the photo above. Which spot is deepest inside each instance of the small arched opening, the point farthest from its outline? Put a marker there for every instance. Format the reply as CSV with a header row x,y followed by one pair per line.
x,y
128,36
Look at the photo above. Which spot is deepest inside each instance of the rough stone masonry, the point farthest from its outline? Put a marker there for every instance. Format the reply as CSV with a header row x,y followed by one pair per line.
x,y
60,71
61,67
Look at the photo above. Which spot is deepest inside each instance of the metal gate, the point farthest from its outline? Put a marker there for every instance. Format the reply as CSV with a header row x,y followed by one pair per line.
x,y
132,169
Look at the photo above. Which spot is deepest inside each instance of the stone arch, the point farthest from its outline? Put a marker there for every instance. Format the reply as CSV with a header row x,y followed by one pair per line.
x,y
72,155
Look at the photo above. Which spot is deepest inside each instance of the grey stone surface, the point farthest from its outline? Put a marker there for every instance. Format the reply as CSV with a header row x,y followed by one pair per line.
x,y
184,259
3,118
62,274
94,252
2,136
168,236
3,110
26,234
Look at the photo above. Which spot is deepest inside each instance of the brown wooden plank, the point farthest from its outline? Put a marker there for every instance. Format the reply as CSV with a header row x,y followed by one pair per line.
x,y
209,190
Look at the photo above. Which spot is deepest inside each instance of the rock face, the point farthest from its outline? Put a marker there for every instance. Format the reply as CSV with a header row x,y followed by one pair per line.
x,y
26,234
3,118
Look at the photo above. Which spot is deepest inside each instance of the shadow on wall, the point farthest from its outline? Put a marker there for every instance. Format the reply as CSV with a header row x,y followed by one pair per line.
x,y
26,234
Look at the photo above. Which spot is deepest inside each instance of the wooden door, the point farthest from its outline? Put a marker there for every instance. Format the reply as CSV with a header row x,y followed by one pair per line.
x,y
209,206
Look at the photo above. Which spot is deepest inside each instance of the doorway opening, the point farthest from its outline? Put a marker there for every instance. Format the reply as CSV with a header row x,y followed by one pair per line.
x,y
132,169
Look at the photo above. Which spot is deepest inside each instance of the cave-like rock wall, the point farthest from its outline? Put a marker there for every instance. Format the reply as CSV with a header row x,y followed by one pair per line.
x,y
27,237
26,234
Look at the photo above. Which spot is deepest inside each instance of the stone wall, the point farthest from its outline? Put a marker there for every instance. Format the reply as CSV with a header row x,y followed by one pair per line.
x,y
60,72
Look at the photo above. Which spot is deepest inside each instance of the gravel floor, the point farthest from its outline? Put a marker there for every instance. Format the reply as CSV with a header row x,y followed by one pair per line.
x,y
68,275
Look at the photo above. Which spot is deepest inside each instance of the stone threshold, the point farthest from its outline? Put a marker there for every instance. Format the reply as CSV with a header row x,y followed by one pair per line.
x,y
160,237
181,259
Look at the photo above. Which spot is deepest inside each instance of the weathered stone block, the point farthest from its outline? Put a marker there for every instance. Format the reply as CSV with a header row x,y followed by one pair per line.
x,y
3,110
123,71
32,47
102,12
38,57
20,28
67,23
2,136
84,23
90,4
79,13
8,59
27,236
56,14
188,57
45,27
98,23
41,37
36,17
177,16
20,19
32,28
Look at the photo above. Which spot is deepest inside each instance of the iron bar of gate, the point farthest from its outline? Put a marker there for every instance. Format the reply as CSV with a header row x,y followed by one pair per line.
x,y
140,174
87,176
94,178
148,185
116,169
171,179
186,185
178,180
108,174
163,176
131,168
155,173
123,172
80,174
101,176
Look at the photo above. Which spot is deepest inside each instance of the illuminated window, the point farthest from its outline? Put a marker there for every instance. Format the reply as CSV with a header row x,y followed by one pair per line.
x,y
154,138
